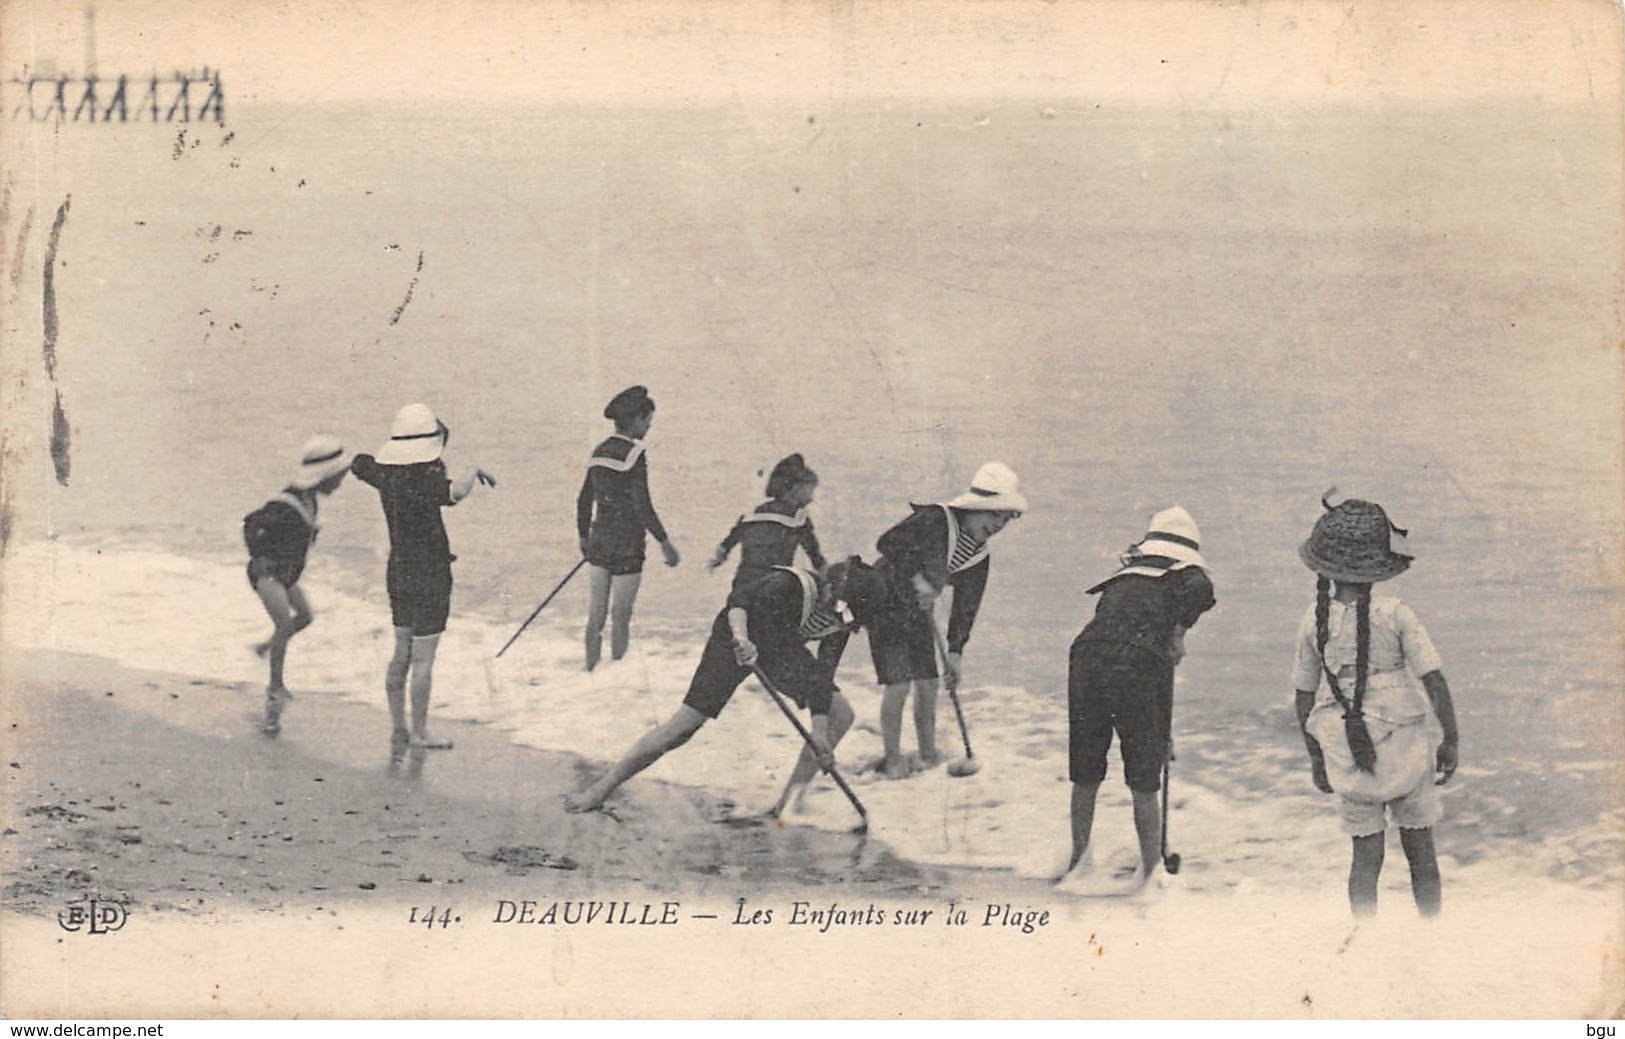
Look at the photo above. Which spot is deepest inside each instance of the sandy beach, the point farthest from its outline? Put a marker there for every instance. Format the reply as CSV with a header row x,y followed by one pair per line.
x,y
1225,256
242,859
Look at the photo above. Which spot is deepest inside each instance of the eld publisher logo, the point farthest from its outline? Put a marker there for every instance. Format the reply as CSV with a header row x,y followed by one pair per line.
x,y
93,916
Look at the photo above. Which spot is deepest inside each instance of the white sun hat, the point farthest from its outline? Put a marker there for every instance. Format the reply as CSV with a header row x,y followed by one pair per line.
x,y
994,489
415,436
1173,533
323,456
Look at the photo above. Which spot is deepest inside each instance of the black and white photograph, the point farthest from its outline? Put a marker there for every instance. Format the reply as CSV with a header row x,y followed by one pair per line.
x,y
812,509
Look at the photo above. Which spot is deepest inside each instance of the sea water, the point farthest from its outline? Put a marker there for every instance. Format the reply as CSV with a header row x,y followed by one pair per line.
x,y
1133,308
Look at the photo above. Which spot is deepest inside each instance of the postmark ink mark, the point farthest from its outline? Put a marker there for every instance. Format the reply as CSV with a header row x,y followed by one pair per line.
x,y
410,288
60,447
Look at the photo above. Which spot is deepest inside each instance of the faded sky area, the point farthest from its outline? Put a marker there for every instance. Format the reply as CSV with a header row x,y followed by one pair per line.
x,y
1238,55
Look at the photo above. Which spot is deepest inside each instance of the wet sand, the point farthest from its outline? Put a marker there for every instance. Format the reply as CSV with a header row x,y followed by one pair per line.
x,y
275,877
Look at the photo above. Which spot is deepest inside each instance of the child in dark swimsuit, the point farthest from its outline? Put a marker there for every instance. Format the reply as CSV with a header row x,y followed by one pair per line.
x,y
413,486
613,511
769,535
766,624
279,535
939,545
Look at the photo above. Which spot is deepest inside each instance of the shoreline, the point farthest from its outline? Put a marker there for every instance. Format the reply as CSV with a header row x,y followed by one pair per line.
x,y
309,875
114,772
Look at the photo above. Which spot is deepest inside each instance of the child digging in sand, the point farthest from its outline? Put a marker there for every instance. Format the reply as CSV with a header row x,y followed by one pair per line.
x,y
1374,738
769,535
278,535
1121,676
413,487
766,624
938,546
613,511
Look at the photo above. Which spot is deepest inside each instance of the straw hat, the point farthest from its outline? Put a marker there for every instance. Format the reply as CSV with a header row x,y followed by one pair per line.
x,y
629,403
1355,542
994,489
1172,533
323,456
415,436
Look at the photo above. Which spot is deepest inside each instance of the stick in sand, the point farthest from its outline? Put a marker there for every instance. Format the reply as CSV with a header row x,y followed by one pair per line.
x,y
533,613
1170,859
829,769
969,766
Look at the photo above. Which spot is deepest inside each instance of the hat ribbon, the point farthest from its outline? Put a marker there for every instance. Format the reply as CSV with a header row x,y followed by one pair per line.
x,y
319,459
1159,535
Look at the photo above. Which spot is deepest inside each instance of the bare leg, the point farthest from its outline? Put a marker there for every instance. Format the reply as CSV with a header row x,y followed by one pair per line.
x,y
1426,886
623,596
1363,873
1083,819
841,716
423,650
597,610
925,720
395,683
892,701
654,745
1148,827
290,614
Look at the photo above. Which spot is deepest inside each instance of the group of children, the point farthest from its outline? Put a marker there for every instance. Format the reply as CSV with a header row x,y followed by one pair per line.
x,y
1371,699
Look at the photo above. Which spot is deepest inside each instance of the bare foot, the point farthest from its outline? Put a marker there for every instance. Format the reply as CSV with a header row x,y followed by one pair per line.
x,y
898,769
423,741
400,735
586,801
927,760
277,694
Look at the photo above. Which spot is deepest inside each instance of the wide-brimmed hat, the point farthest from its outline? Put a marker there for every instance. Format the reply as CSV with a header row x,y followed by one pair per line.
x,y
629,403
1356,543
863,590
415,436
323,456
791,470
994,489
1172,533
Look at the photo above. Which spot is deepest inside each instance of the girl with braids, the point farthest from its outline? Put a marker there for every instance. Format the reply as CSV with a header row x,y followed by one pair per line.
x,y
1375,738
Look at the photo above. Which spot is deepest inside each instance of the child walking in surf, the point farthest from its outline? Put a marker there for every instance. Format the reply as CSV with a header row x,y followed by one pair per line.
x,y
1374,737
279,535
939,545
613,511
769,535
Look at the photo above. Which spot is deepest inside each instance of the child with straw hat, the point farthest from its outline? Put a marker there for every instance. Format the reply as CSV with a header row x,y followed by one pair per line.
x,y
1374,737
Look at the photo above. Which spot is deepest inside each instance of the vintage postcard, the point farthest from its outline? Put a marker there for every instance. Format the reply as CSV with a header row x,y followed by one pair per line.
x,y
811,510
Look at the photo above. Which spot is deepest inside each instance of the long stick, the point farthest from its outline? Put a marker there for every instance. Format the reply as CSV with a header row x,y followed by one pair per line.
x,y
829,769
1170,859
556,590
953,686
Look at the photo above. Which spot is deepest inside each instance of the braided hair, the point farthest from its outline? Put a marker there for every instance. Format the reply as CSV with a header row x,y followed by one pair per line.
x,y
1365,755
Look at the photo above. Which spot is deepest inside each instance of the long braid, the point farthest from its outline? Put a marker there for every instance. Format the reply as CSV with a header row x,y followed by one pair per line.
x,y
1362,650
1323,608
